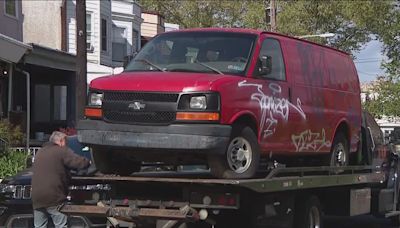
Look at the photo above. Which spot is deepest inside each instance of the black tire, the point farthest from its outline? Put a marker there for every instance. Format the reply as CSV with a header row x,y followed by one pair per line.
x,y
106,163
339,156
244,138
308,213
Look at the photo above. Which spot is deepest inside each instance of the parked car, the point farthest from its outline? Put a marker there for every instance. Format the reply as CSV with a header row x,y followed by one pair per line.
x,y
15,199
226,98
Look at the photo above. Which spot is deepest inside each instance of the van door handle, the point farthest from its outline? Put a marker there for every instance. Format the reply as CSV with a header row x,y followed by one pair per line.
x,y
290,94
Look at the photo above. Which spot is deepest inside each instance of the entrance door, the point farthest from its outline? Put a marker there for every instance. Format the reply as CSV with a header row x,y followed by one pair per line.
x,y
3,97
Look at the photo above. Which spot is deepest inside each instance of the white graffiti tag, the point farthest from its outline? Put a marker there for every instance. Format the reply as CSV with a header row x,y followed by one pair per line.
x,y
272,106
310,141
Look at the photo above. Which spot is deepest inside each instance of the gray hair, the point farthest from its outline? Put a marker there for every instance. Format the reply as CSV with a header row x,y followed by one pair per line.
x,y
57,136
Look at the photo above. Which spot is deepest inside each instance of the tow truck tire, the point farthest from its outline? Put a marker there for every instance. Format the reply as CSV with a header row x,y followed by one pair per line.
x,y
105,163
339,156
242,156
395,221
308,213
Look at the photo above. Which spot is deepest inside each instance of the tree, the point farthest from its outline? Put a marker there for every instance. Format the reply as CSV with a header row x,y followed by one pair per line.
x,y
202,13
384,98
354,22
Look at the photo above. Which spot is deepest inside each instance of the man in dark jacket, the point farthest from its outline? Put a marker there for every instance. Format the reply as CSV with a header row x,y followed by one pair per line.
x,y
51,173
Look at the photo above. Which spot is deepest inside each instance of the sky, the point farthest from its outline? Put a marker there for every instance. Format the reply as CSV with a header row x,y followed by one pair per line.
x,y
368,61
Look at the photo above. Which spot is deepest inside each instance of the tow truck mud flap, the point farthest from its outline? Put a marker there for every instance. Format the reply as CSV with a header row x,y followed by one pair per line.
x,y
185,213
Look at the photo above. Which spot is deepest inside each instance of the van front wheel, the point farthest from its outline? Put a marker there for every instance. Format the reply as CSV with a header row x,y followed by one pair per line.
x,y
241,158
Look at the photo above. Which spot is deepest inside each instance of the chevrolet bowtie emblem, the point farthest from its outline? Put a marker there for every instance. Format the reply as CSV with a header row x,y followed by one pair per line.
x,y
136,105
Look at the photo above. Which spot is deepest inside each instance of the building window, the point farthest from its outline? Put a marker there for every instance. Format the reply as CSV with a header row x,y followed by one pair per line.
x,y
50,103
119,44
60,102
89,30
103,34
11,8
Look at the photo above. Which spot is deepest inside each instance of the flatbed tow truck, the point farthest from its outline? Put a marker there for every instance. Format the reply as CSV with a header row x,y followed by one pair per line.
x,y
285,197
297,197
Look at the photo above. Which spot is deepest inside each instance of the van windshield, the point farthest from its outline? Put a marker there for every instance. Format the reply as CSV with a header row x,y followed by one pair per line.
x,y
211,52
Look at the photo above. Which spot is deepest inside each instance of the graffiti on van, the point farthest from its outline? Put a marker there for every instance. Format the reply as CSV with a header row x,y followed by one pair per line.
x,y
310,141
272,106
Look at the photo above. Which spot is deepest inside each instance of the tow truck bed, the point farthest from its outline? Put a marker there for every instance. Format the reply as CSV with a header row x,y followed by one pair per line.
x,y
183,197
280,179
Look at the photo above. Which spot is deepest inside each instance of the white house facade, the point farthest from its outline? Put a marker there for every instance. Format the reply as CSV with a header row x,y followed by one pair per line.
x,y
113,34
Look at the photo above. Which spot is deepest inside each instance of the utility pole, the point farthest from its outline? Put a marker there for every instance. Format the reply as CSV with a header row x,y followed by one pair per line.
x,y
272,14
81,60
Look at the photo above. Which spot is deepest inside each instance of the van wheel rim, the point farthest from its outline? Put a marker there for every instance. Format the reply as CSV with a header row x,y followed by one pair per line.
x,y
340,155
314,218
239,155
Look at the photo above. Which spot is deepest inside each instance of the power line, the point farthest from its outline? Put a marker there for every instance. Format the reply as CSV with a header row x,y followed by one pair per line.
x,y
372,74
368,61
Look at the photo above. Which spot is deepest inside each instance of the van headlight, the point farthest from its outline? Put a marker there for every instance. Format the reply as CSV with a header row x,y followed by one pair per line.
x,y
198,102
96,99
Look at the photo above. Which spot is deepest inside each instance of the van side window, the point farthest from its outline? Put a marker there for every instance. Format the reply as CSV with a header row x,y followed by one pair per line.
x,y
270,63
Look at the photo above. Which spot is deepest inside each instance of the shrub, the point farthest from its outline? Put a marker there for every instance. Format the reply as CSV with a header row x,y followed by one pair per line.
x,y
10,133
12,162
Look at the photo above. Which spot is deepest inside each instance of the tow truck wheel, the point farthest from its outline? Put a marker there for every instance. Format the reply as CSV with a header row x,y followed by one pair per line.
x,y
241,158
105,163
308,213
395,220
339,155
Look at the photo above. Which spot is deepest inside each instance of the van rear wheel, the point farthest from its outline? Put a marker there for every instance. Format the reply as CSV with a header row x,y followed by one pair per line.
x,y
339,156
241,158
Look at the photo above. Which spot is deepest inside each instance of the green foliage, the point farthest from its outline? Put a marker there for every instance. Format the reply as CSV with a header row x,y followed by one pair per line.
x,y
386,101
210,13
11,134
12,162
353,22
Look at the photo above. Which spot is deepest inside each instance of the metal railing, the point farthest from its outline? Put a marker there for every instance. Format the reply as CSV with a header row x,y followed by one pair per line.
x,y
31,151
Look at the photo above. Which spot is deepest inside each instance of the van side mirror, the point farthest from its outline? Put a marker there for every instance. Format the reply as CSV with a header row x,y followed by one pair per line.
x,y
266,65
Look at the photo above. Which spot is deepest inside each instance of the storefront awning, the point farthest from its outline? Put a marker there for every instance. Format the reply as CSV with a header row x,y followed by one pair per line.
x,y
12,50
52,58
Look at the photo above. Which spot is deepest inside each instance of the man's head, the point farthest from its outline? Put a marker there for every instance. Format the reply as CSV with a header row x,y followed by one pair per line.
x,y
58,138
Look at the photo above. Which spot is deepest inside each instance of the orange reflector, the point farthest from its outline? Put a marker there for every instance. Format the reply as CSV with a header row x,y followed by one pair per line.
x,y
211,116
93,112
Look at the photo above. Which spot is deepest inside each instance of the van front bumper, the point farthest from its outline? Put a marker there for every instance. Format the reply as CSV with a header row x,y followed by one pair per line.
x,y
205,138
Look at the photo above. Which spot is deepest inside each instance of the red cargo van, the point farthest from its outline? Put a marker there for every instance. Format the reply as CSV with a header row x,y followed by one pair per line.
x,y
226,98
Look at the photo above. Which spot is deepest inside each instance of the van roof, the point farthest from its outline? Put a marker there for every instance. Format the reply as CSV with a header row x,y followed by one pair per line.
x,y
253,31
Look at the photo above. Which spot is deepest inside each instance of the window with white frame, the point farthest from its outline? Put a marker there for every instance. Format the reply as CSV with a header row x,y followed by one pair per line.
x,y
89,31
11,8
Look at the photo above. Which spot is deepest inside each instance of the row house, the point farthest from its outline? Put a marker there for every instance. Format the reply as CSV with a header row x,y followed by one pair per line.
x,y
36,81
113,34
38,61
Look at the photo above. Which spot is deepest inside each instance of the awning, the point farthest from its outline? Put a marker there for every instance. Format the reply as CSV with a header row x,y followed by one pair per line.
x,y
52,58
12,50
